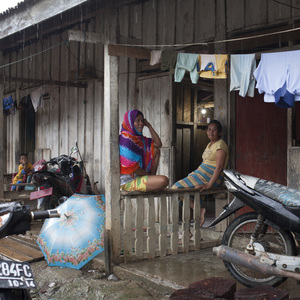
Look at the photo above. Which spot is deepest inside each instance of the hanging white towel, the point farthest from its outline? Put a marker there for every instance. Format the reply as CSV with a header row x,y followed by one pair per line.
x,y
36,97
155,57
208,62
242,67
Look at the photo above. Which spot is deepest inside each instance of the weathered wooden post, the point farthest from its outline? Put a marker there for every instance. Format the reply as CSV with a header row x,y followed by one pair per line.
x,y
221,94
2,156
111,144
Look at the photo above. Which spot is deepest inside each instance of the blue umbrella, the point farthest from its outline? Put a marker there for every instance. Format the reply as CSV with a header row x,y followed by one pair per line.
x,y
78,235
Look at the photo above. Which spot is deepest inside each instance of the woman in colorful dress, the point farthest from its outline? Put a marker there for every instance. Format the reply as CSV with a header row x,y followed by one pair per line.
x,y
139,155
209,173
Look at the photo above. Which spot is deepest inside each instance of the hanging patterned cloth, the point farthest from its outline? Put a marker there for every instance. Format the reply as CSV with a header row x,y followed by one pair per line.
x,y
136,150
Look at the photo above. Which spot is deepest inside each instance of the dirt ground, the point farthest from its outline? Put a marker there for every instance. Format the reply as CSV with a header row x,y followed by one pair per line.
x,y
87,283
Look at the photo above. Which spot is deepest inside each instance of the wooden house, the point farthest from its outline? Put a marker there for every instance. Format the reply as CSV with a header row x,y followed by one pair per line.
x,y
89,60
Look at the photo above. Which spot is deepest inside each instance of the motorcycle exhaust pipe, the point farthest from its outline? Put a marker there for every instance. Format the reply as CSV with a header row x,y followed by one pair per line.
x,y
251,262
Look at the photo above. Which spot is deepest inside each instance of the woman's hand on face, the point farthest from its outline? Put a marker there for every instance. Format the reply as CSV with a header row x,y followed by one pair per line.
x,y
146,123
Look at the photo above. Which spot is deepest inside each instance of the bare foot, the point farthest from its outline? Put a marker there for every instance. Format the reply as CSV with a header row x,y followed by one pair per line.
x,y
202,216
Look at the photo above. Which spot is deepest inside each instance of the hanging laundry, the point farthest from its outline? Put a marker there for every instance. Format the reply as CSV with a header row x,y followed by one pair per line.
x,y
216,66
207,62
25,102
186,62
277,76
36,97
155,57
9,106
168,60
242,67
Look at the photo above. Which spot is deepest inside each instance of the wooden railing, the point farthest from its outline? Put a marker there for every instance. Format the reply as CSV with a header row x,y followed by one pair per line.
x,y
151,225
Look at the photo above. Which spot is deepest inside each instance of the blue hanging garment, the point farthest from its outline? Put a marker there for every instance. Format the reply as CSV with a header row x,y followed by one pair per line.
x,y
9,106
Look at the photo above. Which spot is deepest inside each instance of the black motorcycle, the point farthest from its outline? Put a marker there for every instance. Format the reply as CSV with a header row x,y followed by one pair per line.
x,y
61,177
259,247
16,278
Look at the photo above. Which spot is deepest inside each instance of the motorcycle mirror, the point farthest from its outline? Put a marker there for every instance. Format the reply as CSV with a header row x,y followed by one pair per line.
x,y
74,150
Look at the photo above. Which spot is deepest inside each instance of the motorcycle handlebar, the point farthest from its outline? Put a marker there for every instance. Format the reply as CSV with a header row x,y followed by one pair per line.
x,y
16,218
45,214
57,160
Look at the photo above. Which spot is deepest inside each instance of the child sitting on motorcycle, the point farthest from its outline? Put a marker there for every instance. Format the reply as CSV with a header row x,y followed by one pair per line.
x,y
25,168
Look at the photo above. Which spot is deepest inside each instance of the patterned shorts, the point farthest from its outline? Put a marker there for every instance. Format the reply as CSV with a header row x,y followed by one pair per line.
x,y
138,184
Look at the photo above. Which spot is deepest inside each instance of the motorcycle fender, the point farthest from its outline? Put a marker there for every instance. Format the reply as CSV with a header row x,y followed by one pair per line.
x,y
41,202
228,210
41,193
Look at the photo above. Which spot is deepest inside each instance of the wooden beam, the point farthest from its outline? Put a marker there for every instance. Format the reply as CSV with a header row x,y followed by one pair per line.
x,y
135,52
39,81
113,50
84,36
263,39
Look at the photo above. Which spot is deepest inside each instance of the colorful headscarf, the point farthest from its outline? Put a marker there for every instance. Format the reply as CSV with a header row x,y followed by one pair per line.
x,y
135,149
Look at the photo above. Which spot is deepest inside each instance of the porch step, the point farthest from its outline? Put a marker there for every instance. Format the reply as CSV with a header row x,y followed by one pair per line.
x,y
22,197
17,195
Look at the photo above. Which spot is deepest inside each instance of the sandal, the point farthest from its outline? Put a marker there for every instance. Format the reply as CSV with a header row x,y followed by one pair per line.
x,y
144,229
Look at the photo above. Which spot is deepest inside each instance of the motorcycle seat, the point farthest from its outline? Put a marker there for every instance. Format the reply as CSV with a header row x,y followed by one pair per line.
x,y
287,196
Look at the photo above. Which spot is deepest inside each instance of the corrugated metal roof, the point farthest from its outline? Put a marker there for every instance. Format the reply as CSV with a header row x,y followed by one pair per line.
x,y
10,9
32,12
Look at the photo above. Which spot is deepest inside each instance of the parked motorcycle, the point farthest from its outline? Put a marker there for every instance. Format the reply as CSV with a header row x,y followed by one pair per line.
x,y
259,247
59,179
16,277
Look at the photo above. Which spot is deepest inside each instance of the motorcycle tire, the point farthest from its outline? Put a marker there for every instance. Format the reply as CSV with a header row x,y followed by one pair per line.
x,y
237,236
52,202
15,294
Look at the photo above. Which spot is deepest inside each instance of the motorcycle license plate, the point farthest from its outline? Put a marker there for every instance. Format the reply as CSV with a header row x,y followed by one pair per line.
x,y
17,275
41,193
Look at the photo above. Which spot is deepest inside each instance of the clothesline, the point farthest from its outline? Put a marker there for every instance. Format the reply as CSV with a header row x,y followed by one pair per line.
x,y
277,74
162,46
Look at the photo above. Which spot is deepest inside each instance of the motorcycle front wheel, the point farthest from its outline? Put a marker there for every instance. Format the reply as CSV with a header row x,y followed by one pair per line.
x,y
53,201
237,236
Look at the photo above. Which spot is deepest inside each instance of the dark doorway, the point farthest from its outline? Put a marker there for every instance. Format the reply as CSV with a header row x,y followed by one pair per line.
x,y
194,107
28,131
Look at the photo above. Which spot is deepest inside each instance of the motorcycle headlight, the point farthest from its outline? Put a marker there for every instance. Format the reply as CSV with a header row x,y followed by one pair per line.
x,y
230,187
4,219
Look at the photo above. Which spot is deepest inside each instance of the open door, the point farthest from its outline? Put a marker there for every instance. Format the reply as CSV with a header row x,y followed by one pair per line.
x,y
28,131
194,110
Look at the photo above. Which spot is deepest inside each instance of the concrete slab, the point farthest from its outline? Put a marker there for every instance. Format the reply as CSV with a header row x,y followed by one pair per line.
x,y
174,272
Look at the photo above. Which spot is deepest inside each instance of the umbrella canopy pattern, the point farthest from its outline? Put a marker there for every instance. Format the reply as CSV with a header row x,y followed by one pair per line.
x,y
78,235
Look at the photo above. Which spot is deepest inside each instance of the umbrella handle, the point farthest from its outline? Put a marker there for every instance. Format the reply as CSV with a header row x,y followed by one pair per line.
x,y
45,214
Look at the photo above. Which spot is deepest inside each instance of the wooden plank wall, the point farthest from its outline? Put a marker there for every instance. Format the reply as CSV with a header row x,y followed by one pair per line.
x,y
154,96
71,114
77,113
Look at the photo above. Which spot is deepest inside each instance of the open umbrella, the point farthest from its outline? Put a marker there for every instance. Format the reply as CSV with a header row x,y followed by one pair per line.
x,y
78,235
